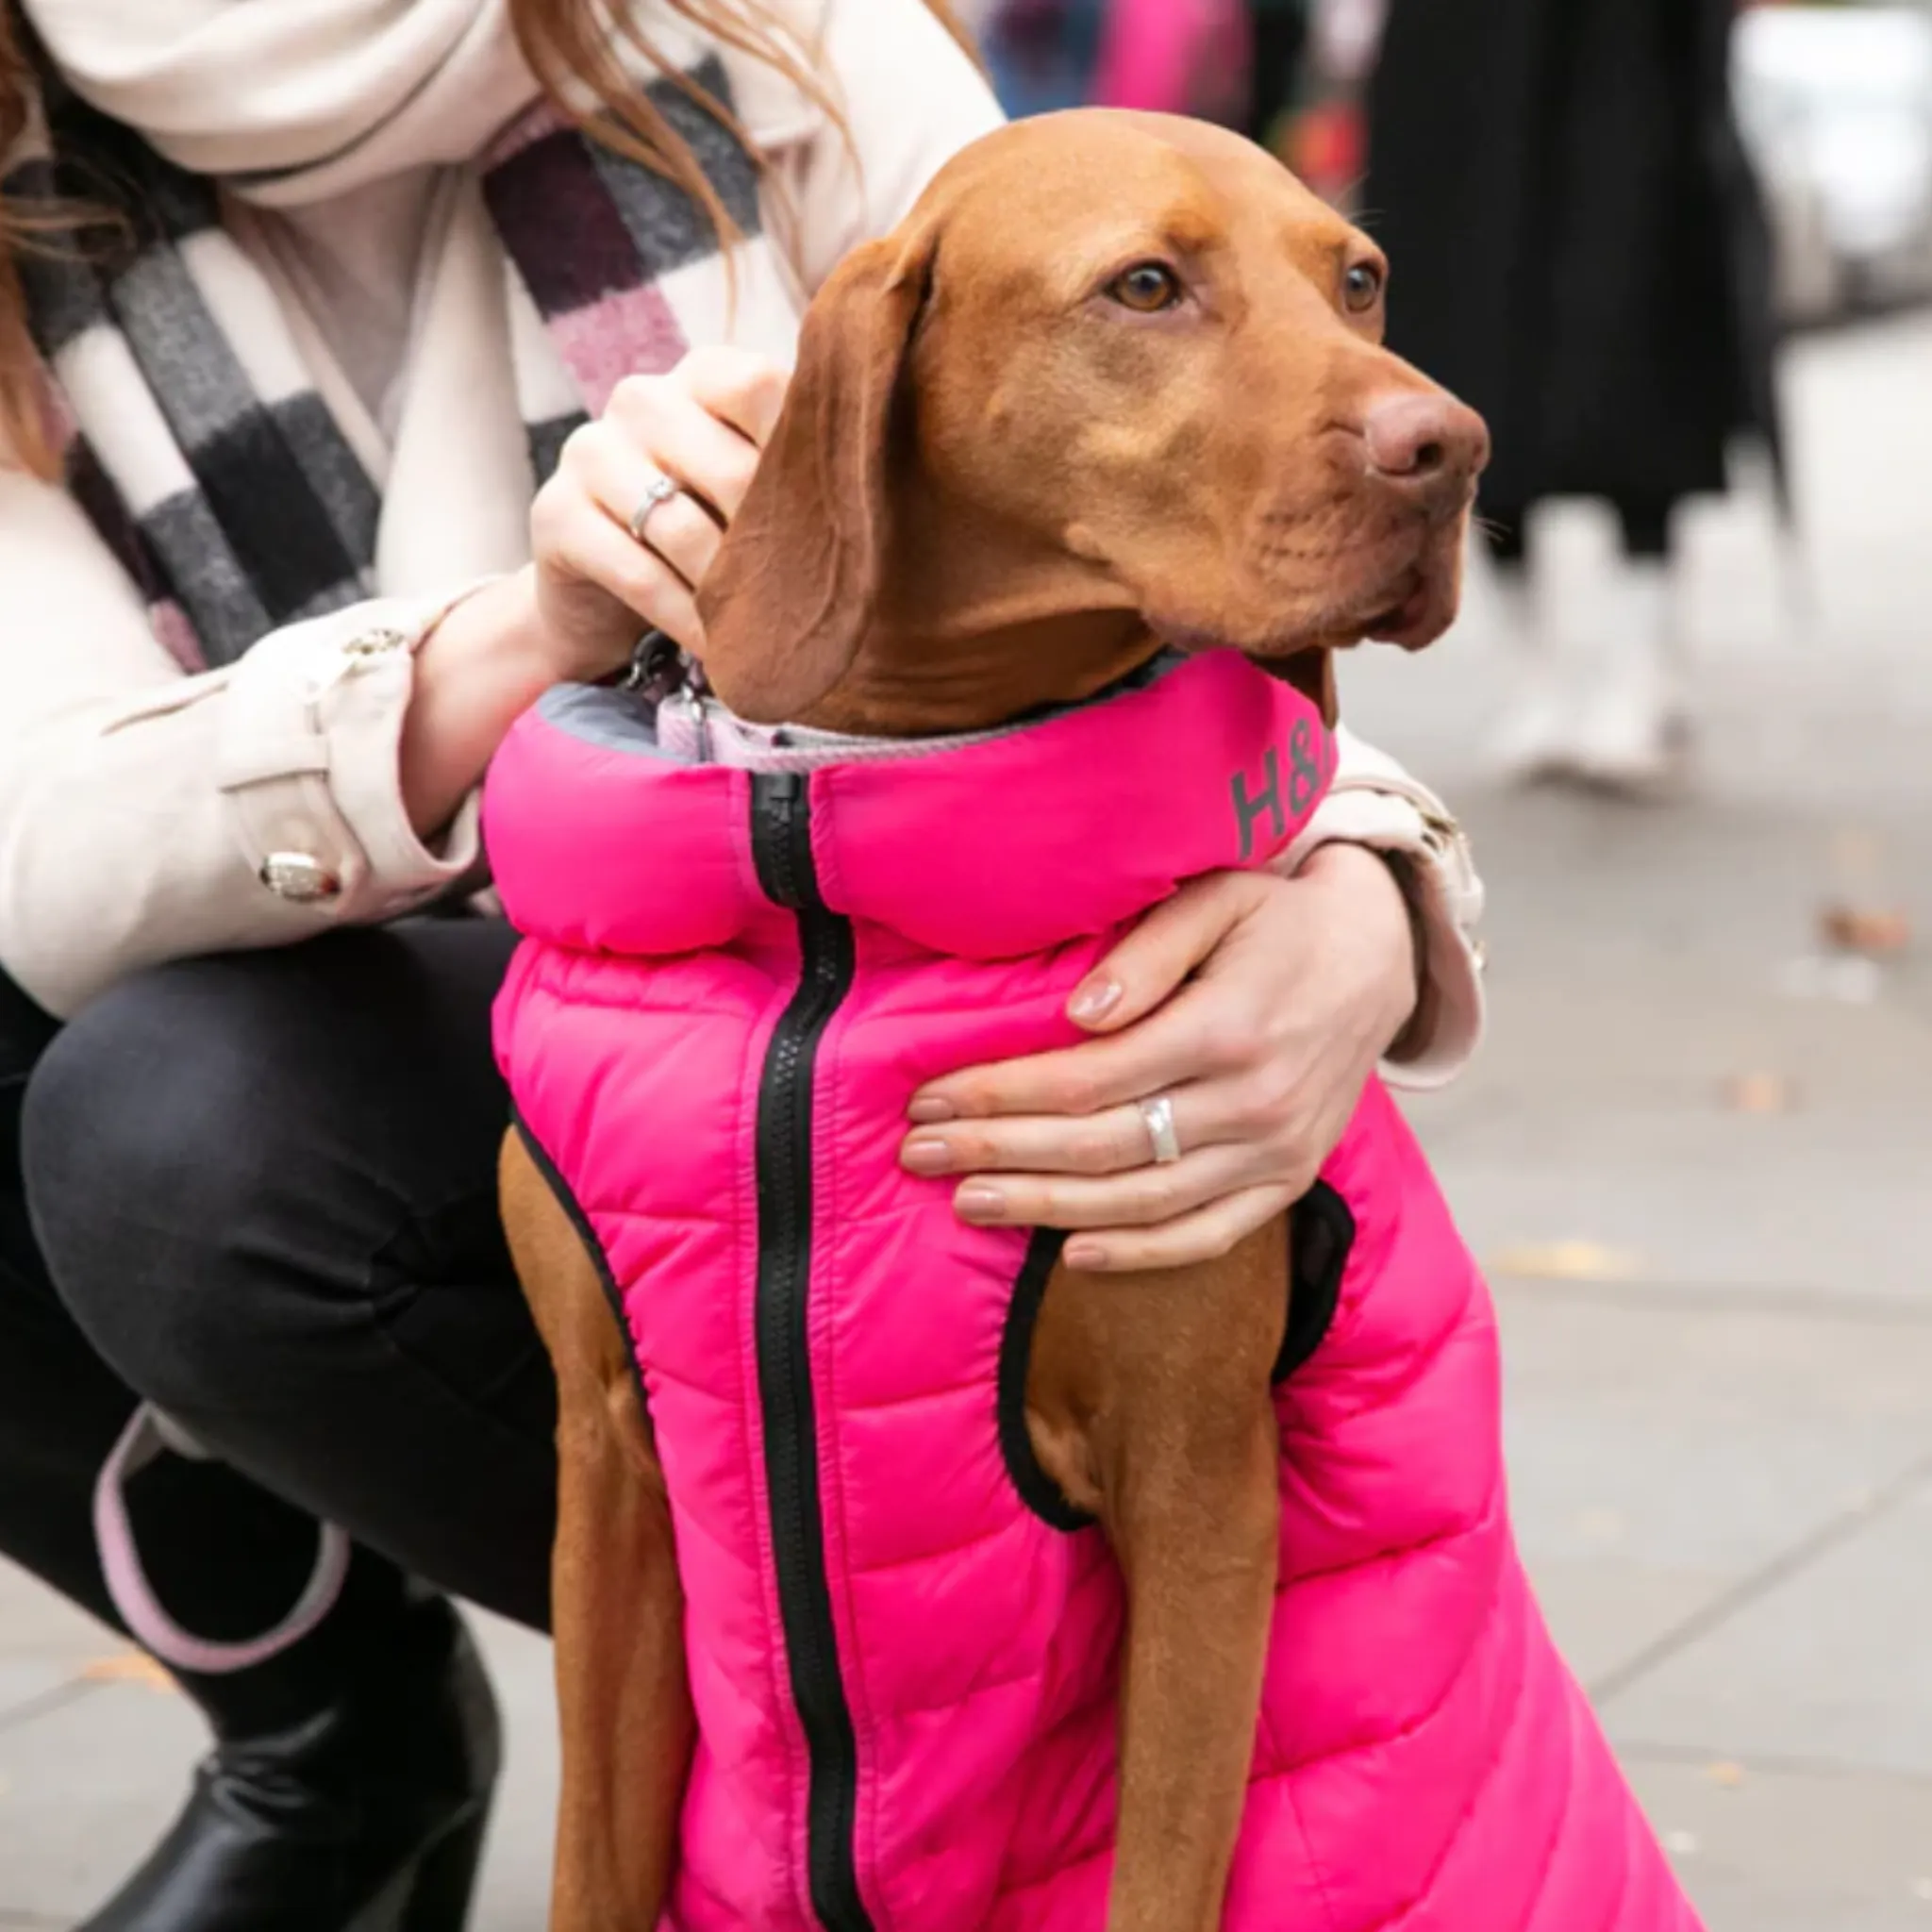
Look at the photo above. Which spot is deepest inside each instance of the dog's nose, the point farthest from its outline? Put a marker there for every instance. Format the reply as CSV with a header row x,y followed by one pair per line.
x,y
1427,444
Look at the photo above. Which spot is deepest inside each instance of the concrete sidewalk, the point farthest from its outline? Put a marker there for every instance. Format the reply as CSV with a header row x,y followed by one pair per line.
x,y
1718,1317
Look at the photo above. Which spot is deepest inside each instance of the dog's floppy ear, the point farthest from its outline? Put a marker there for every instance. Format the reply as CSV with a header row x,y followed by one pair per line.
x,y
796,584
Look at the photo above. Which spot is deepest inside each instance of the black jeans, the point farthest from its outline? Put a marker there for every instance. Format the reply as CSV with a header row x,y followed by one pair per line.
x,y
259,1191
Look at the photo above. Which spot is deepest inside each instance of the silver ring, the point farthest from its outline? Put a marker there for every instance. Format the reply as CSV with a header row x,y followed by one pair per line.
x,y
1158,1114
660,490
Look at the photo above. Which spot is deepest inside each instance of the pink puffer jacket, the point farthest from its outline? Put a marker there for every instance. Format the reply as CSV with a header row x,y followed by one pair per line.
x,y
903,1648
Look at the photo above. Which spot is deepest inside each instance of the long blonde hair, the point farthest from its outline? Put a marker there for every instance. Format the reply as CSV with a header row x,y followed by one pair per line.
x,y
576,50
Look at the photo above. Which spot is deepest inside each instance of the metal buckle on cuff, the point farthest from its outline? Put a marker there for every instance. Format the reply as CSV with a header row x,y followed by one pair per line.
x,y
298,877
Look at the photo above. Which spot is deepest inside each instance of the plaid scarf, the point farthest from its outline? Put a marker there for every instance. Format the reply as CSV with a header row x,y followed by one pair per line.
x,y
192,437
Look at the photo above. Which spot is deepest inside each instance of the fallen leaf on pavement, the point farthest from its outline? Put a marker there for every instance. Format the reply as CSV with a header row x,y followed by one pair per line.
x,y
1572,1260
1873,932
1725,1774
130,1667
1758,1094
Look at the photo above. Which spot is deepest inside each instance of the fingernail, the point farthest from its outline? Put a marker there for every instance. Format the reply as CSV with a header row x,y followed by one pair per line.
x,y
980,1204
1083,1254
927,1155
926,1113
1095,1000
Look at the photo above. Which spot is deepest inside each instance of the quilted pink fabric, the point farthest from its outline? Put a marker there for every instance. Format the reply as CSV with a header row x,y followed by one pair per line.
x,y
903,1655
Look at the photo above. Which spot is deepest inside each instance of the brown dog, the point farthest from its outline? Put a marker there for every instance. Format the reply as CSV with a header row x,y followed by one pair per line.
x,y
1117,381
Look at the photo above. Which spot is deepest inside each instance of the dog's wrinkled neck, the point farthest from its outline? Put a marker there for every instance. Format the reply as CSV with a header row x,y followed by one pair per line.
x,y
909,684
978,622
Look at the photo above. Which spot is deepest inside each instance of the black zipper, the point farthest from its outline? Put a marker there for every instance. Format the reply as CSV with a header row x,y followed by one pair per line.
x,y
781,849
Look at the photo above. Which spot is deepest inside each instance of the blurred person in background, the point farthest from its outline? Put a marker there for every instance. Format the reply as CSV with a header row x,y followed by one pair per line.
x,y
1229,61
1582,255
1173,57
1277,32
1041,54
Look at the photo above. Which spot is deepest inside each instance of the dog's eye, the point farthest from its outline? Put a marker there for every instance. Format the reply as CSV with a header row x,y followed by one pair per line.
x,y
1146,288
1361,287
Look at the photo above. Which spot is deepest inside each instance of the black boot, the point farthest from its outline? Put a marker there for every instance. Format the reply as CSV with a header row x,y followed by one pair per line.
x,y
366,1816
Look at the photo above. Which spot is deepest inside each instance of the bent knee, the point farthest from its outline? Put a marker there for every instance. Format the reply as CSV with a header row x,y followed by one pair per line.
x,y
152,1137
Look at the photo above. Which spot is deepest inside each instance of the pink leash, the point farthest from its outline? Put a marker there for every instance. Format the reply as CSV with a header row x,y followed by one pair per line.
x,y
150,1434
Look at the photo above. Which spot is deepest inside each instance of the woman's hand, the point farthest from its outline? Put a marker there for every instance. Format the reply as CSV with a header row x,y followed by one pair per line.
x,y
597,587
575,613
1259,1004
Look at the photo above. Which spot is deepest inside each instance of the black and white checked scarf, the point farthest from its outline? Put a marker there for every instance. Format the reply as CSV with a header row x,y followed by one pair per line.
x,y
192,437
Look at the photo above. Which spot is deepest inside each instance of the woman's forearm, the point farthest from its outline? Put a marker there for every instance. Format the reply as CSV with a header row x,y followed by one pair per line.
x,y
482,665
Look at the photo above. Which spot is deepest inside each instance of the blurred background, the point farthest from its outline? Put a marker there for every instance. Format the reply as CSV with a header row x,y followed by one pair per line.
x,y
1682,254
1696,1151
1835,101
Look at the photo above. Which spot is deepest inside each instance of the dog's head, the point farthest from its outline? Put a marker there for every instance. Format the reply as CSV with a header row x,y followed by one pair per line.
x,y
1113,366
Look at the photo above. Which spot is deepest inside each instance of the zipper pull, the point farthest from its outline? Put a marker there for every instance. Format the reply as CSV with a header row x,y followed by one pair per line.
x,y
688,709
778,802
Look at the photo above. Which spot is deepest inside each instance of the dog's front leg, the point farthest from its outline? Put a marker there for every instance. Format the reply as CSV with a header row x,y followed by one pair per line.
x,y
1152,1395
617,1610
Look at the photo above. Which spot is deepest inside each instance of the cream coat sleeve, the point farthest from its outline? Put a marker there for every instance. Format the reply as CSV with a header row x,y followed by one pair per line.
x,y
139,807
1374,802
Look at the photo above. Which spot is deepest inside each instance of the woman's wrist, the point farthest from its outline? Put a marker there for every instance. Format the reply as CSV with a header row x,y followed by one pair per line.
x,y
485,662
1376,901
